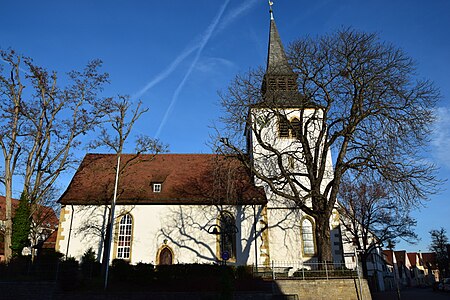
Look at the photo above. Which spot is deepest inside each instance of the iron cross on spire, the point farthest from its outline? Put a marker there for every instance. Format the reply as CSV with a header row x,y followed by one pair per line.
x,y
270,10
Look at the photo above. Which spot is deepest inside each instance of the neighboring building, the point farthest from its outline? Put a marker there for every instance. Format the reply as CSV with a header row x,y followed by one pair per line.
x,y
403,267
431,269
379,275
43,225
416,269
412,269
171,207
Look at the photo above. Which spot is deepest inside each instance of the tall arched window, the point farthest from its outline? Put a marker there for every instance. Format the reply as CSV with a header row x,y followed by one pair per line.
x,y
228,234
308,237
283,126
295,128
288,128
124,238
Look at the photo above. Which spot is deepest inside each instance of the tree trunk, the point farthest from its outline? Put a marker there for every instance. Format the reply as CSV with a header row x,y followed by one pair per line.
x,y
8,214
363,259
323,241
106,249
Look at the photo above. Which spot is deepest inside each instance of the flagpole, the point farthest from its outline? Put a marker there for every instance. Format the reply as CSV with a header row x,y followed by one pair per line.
x,y
111,221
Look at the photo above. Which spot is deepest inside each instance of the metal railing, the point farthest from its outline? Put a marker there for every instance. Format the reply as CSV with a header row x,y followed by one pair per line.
x,y
306,270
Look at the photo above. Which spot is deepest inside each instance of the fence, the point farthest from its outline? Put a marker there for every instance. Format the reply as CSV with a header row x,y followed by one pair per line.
x,y
53,271
306,270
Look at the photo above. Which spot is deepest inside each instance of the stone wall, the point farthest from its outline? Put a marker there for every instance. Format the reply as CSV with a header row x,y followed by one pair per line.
x,y
338,289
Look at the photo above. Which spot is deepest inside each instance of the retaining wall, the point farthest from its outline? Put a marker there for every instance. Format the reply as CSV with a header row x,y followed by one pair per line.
x,y
336,289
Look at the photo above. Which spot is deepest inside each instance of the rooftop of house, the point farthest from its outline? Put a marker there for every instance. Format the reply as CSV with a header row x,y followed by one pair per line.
x,y
182,179
429,260
43,215
413,258
389,255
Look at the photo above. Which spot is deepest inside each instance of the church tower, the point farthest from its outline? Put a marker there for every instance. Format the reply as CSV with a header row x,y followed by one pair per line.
x,y
280,125
279,85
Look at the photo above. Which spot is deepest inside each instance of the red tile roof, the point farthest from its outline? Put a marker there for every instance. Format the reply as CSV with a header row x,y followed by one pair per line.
x,y
412,256
429,260
389,256
43,215
14,203
50,242
400,257
41,212
185,179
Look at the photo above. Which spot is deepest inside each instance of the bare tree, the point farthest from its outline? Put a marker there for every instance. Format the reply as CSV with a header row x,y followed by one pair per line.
x,y
353,96
371,217
121,115
11,92
440,245
41,125
225,187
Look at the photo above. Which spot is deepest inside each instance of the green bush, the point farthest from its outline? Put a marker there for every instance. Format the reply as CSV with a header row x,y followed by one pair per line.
x,y
143,274
68,275
121,271
90,267
244,272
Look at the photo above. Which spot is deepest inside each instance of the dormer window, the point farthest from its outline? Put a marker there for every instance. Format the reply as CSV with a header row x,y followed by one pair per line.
x,y
157,188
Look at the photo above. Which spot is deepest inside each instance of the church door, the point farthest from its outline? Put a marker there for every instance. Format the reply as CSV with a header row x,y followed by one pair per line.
x,y
165,257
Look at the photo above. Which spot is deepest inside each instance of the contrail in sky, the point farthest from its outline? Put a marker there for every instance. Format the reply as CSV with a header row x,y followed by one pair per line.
x,y
167,71
213,28
20,68
200,46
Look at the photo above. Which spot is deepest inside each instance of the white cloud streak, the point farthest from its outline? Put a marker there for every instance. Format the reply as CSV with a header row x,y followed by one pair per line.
x,y
441,137
164,74
235,13
20,68
213,28
200,46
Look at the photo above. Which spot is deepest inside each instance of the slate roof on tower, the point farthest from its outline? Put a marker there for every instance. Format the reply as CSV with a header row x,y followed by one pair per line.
x,y
277,62
185,179
279,87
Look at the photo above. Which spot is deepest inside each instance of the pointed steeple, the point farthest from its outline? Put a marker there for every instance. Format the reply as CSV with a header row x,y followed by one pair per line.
x,y
277,62
280,81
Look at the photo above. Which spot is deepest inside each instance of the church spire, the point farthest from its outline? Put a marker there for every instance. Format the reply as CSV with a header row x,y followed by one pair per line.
x,y
276,58
280,81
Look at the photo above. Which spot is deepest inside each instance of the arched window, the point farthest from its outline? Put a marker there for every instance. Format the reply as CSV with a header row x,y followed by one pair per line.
x,y
288,128
283,126
124,238
295,128
308,237
227,235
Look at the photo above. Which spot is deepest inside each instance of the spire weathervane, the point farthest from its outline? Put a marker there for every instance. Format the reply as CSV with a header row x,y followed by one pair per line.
x,y
270,10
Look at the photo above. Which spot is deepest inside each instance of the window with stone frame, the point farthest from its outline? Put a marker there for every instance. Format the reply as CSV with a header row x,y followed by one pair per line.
x,y
227,236
295,128
125,237
288,129
308,237
283,126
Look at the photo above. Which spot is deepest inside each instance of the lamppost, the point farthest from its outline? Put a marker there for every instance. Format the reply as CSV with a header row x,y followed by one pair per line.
x,y
226,231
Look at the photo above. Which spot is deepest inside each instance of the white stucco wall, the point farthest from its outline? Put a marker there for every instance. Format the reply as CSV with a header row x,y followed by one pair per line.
x,y
181,228
284,223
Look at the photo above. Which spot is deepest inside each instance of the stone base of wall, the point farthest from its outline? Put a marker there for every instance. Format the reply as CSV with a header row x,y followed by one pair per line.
x,y
338,289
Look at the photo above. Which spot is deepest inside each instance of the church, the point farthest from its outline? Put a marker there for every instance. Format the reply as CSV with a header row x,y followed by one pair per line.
x,y
199,208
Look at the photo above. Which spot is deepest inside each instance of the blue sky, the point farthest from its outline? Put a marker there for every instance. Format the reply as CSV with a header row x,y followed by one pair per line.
x,y
175,55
